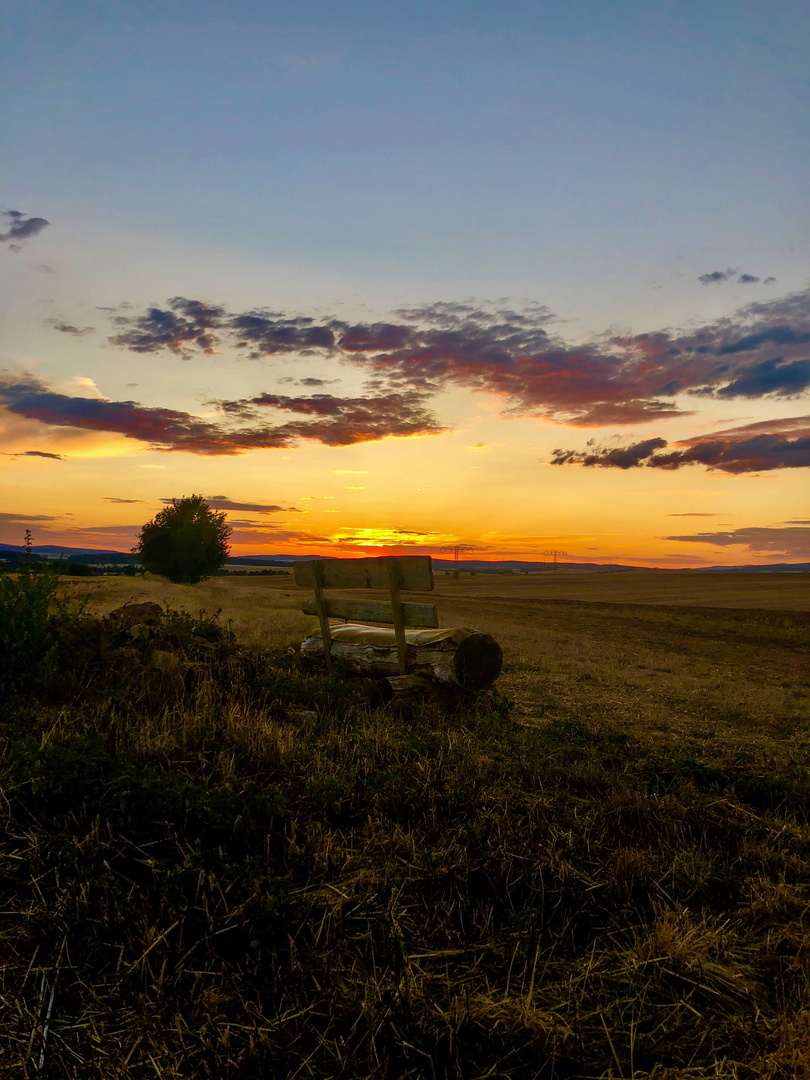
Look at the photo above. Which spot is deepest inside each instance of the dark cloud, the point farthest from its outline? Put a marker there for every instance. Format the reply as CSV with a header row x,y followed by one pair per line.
x,y
68,328
43,268
109,498
163,429
628,457
36,453
267,333
740,450
184,324
21,228
378,337
350,421
716,276
774,335
769,281
345,421
772,376
793,541
221,502
25,519
782,425
511,355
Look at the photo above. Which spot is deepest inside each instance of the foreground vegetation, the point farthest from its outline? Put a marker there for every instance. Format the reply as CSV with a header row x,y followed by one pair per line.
x,y
217,864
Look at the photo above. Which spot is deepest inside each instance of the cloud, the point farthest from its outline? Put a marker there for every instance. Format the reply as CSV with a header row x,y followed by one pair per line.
x,y
109,498
506,353
163,429
265,333
716,277
755,447
770,377
43,268
221,502
21,228
24,519
36,453
792,541
628,457
68,328
183,325
694,515
774,335
347,421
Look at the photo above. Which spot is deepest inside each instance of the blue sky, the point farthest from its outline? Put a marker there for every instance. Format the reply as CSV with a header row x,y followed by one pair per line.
x,y
346,160
430,145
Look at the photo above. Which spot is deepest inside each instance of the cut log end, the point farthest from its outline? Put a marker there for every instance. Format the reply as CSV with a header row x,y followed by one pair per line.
x,y
479,660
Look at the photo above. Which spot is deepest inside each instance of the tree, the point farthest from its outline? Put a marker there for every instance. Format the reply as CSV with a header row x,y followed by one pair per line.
x,y
185,542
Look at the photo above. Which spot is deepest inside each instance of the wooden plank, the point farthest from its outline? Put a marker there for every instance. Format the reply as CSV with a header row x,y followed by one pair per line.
x,y
415,573
374,611
396,607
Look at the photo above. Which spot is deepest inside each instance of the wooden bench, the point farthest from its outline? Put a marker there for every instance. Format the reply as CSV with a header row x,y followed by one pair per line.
x,y
395,573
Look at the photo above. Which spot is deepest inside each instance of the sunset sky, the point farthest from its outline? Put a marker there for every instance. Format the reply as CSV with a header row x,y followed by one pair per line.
x,y
381,276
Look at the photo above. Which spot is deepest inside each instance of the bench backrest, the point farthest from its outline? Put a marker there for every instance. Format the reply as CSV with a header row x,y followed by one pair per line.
x,y
392,572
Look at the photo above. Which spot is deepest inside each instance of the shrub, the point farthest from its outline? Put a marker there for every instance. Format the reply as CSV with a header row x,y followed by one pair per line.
x,y
27,632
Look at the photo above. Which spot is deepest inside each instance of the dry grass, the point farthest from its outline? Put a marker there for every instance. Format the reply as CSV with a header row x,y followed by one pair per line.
x,y
265,612
238,869
633,650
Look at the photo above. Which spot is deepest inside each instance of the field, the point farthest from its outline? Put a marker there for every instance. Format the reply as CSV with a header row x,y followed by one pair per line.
x,y
236,868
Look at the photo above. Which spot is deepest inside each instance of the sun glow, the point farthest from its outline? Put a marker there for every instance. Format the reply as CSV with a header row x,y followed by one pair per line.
x,y
379,537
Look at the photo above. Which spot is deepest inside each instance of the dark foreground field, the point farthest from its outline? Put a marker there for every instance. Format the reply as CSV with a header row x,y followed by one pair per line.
x,y
224,866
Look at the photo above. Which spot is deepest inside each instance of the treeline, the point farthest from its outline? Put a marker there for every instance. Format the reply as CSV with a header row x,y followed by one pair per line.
x,y
13,561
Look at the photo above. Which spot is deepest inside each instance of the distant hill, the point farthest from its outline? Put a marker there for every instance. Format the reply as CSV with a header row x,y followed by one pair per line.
x,y
88,555
769,568
98,556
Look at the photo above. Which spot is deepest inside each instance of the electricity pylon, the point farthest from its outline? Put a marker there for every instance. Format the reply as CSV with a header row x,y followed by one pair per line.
x,y
555,554
456,549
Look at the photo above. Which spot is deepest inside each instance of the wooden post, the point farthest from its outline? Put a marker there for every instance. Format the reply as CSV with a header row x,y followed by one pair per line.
x,y
396,607
322,616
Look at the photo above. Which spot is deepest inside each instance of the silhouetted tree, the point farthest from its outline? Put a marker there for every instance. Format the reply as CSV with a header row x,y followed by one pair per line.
x,y
185,542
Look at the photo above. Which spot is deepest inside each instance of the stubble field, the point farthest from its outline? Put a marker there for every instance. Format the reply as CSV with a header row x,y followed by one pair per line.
x,y
721,662
237,868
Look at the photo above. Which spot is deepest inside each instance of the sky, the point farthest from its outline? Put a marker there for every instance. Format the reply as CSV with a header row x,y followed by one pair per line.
x,y
393,277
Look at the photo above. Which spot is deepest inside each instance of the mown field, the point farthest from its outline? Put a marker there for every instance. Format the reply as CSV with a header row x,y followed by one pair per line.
x,y
233,867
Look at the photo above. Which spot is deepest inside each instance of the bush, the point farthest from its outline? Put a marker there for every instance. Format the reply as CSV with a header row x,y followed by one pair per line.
x,y
185,542
27,633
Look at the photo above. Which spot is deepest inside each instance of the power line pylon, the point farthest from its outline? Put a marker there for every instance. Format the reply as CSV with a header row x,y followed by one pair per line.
x,y
456,549
555,554
455,552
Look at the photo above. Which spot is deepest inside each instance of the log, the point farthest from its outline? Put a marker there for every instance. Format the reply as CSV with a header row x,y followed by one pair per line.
x,y
460,658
